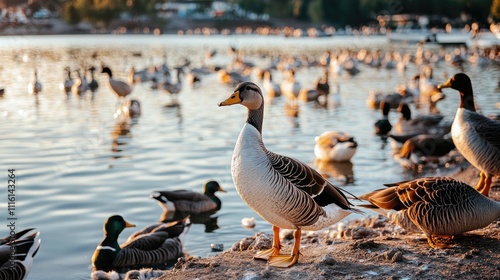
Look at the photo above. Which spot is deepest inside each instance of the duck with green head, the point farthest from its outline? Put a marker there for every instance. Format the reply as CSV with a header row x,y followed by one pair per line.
x,y
152,246
190,201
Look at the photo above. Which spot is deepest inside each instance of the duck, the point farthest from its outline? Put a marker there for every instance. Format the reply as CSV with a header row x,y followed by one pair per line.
x,y
171,88
68,82
321,89
436,206
93,85
420,124
35,87
476,136
425,147
129,109
383,126
335,146
272,89
290,88
152,246
190,201
81,85
285,192
26,244
120,88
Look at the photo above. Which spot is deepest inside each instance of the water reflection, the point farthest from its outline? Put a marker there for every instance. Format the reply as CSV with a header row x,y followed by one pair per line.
x,y
206,219
342,172
120,135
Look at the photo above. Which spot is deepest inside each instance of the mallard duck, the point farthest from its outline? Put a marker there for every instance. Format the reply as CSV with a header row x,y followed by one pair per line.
x,y
35,87
190,201
152,246
335,146
285,192
120,88
477,137
383,126
26,244
437,206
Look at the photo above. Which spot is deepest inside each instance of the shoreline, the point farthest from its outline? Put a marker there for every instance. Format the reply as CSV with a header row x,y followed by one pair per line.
x,y
368,248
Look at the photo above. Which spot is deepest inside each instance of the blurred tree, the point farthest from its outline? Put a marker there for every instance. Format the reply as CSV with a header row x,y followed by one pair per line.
x,y
255,6
315,11
495,10
71,15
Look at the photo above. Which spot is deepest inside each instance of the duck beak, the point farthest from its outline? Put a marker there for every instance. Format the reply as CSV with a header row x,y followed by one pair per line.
x,y
446,84
127,224
233,99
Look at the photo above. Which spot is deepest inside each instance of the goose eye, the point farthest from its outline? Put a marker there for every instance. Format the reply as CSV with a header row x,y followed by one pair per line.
x,y
247,88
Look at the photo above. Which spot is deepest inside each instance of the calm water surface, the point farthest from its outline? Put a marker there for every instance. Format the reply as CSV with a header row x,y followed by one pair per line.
x,y
76,165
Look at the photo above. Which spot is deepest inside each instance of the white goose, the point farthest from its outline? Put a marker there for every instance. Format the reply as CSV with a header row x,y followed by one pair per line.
x,y
285,192
120,88
476,137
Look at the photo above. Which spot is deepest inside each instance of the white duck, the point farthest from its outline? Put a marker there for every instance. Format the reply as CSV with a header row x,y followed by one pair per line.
x,y
284,191
335,146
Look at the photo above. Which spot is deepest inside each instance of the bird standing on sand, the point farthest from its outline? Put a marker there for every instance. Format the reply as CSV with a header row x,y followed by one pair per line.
x,y
285,192
437,206
476,137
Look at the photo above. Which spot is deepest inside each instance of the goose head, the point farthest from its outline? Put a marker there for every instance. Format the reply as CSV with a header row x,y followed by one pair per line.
x,y
462,83
107,71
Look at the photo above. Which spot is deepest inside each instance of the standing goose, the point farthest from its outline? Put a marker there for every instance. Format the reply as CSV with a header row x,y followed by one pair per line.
x,y
438,206
285,192
93,84
68,82
476,137
189,201
35,87
120,88
26,245
152,246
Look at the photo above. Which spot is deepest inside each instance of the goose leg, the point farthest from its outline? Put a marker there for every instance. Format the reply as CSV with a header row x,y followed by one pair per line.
x,y
275,249
288,261
485,190
439,245
480,185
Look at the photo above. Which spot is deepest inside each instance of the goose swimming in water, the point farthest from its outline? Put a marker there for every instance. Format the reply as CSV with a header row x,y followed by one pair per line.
x,y
284,191
476,137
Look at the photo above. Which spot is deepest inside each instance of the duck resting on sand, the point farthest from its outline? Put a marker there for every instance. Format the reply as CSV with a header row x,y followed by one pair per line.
x,y
283,191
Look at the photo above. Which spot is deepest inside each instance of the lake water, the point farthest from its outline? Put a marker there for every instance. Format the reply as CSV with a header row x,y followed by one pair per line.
x,y
75,166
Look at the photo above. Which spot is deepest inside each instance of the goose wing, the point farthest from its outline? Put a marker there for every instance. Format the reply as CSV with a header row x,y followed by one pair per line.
x,y
308,180
487,128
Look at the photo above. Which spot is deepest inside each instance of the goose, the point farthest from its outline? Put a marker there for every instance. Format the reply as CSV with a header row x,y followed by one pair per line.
x,y
26,244
383,126
35,87
285,192
420,124
290,88
171,88
68,82
436,206
152,246
81,85
189,201
93,85
120,88
130,109
335,146
322,88
477,137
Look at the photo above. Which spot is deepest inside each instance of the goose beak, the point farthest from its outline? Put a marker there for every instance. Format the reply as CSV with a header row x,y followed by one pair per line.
x,y
221,189
446,84
233,99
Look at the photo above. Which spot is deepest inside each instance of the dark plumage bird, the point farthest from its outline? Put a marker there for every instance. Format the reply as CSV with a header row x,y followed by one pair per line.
x,y
189,201
477,137
426,146
383,126
120,88
25,244
152,246
437,206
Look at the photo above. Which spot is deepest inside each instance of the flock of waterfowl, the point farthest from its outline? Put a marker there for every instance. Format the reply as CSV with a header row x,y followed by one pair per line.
x,y
290,194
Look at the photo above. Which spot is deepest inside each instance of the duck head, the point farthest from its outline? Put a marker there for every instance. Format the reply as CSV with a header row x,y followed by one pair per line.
x,y
211,187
